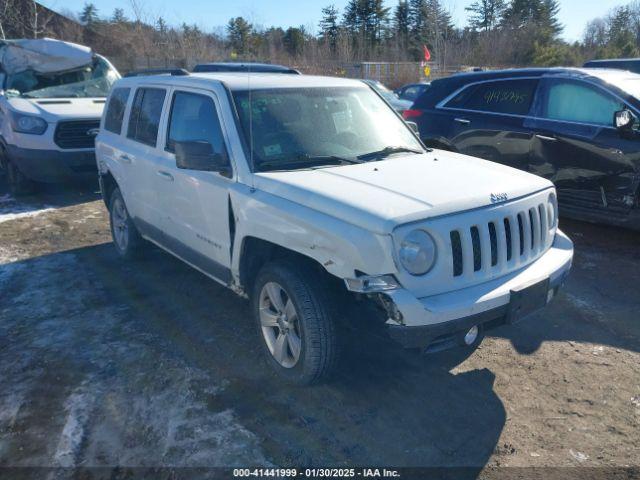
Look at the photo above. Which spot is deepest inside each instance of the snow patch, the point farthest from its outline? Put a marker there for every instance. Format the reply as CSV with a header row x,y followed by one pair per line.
x,y
11,209
79,407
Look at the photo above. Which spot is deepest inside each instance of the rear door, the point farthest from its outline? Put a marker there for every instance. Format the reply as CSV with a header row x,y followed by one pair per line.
x,y
577,147
488,120
196,202
139,155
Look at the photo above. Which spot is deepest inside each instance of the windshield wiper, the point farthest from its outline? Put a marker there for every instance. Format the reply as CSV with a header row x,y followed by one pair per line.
x,y
306,161
386,151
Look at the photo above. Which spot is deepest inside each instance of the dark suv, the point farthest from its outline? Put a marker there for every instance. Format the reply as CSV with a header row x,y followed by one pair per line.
x,y
576,127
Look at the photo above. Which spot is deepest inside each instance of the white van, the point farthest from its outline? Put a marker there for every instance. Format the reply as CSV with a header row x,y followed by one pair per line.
x,y
52,94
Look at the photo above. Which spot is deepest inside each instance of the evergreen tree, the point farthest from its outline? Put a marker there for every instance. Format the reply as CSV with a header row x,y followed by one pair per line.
x,y
239,31
118,16
294,41
402,23
485,14
366,19
89,15
329,27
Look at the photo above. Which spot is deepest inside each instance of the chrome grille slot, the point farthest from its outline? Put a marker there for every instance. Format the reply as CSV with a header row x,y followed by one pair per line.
x,y
508,239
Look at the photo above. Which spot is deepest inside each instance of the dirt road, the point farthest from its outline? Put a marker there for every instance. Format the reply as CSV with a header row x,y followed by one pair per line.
x,y
151,363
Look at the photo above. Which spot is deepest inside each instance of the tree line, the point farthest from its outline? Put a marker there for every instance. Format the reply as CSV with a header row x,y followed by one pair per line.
x,y
497,33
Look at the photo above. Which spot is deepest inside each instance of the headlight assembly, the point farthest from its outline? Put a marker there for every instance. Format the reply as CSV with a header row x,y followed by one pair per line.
x,y
27,124
417,252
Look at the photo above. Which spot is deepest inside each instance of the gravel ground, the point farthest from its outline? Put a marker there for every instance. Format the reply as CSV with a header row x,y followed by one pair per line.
x,y
104,363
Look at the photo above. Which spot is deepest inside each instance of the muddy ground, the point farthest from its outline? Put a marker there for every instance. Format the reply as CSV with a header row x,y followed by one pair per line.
x,y
150,363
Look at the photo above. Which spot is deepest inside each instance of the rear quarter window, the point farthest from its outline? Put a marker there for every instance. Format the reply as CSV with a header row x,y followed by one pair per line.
x,y
144,120
115,110
513,97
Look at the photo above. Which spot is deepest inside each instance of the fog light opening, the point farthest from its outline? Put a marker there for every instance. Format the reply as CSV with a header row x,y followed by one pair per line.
x,y
471,336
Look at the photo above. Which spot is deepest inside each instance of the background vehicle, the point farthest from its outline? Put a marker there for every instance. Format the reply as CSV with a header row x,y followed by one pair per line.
x,y
243,67
411,91
309,194
630,64
557,123
51,101
398,104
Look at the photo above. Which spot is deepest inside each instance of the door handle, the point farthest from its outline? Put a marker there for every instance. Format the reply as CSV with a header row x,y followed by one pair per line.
x,y
125,159
463,121
165,175
546,138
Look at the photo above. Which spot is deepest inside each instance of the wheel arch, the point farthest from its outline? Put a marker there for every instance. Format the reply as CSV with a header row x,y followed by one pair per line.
x,y
108,184
256,252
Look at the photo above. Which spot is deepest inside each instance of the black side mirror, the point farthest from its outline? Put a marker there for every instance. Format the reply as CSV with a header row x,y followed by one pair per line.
x,y
199,155
623,120
413,126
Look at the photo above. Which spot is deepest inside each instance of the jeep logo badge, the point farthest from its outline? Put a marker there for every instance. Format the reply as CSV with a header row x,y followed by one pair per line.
x,y
498,197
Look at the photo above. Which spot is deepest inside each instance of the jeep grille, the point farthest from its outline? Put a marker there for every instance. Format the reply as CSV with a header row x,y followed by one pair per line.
x,y
493,244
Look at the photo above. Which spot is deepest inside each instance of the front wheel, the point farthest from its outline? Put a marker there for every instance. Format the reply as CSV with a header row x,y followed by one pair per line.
x,y
19,184
126,238
294,322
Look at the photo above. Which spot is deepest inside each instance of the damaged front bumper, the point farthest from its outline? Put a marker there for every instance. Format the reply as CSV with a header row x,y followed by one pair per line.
x,y
502,300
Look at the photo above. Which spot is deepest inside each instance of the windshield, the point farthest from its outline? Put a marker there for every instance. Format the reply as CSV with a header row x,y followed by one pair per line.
x,y
308,127
94,80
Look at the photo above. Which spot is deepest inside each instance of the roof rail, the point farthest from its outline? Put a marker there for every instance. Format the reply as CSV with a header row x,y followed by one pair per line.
x,y
174,72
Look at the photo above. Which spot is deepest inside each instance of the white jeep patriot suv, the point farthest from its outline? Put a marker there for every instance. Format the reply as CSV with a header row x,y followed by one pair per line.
x,y
306,192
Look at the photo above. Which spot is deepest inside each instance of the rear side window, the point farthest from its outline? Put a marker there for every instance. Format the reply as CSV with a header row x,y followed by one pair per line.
x,y
115,110
512,97
194,118
579,102
145,115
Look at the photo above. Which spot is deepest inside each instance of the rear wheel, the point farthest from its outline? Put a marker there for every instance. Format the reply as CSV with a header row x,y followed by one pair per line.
x,y
294,322
126,238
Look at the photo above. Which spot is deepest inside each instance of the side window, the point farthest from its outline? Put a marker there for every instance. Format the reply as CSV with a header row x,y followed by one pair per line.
x,y
115,110
512,97
145,115
579,102
411,93
194,118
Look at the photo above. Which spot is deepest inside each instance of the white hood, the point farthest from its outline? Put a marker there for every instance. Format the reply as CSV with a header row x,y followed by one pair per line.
x,y
42,55
379,196
53,110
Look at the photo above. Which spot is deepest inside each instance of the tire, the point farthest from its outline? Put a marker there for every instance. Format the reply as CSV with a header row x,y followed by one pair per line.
x,y
126,238
291,307
18,183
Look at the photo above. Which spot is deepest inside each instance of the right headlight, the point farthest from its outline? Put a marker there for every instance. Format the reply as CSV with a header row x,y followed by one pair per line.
x,y
27,124
417,252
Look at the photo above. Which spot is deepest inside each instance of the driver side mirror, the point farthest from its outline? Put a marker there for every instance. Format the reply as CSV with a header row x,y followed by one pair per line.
x,y
623,120
199,155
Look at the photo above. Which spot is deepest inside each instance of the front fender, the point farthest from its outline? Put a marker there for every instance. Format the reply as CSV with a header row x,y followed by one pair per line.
x,y
341,248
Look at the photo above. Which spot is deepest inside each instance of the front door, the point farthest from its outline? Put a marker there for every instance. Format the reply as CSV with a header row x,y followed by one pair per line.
x,y
576,146
196,203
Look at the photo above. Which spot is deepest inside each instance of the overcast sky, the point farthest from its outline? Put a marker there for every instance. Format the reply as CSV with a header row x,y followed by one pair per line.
x,y
209,14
